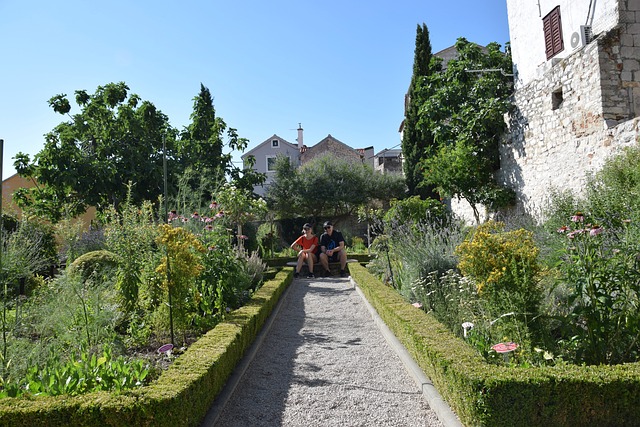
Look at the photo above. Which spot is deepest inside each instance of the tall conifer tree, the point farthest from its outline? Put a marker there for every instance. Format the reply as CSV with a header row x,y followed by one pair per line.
x,y
415,141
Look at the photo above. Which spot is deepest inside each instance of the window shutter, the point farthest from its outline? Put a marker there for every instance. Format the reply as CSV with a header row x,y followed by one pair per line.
x,y
552,27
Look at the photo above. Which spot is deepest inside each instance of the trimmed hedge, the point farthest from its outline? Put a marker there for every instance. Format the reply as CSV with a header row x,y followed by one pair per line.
x,y
183,393
488,395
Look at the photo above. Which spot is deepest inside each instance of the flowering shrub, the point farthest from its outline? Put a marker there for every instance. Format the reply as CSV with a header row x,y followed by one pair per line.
x,y
182,261
504,266
225,281
601,267
239,207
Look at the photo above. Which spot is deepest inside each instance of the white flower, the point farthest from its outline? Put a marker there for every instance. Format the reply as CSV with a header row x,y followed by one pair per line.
x,y
467,326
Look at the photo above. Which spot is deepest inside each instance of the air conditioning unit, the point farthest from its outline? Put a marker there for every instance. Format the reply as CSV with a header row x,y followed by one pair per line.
x,y
581,38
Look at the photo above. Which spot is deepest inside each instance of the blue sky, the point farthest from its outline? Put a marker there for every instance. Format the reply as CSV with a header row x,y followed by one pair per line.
x,y
337,67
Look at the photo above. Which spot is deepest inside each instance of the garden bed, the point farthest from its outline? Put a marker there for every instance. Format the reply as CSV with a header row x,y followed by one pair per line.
x,y
183,393
485,394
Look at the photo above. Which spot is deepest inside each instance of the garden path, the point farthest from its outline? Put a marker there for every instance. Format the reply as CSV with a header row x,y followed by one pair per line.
x,y
322,361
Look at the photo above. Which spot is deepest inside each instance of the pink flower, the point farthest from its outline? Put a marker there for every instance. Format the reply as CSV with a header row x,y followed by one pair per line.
x,y
417,305
212,248
578,217
504,347
596,230
213,206
195,215
208,227
183,219
219,214
172,215
208,219
574,233
242,237
563,229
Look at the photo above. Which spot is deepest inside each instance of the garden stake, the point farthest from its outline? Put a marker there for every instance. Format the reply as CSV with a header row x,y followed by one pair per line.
x,y
166,219
4,301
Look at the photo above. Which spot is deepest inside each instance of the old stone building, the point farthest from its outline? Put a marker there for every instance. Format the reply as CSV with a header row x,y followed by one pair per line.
x,y
265,155
330,145
577,94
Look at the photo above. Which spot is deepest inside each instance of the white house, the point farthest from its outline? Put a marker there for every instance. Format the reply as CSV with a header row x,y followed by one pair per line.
x,y
265,155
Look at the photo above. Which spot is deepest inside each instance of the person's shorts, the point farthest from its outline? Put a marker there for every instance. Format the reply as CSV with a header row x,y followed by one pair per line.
x,y
335,257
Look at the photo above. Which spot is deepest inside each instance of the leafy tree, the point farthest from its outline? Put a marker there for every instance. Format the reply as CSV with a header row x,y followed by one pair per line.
x,y
464,111
88,160
416,142
200,151
328,187
117,139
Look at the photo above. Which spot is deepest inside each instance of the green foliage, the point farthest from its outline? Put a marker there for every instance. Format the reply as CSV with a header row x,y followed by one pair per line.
x,y
200,156
116,138
179,268
239,207
268,236
130,234
463,113
602,269
94,264
357,245
504,266
411,250
483,394
83,373
328,187
416,141
595,294
183,393
415,210
28,250
62,315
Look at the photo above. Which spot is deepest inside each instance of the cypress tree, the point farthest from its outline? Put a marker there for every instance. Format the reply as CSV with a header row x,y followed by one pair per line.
x,y
415,141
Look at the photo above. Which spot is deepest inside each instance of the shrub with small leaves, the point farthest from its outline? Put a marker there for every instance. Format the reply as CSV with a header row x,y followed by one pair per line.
x,y
504,266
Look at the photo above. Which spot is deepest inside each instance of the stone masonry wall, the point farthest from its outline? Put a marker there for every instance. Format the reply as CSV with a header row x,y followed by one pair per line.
x,y
581,111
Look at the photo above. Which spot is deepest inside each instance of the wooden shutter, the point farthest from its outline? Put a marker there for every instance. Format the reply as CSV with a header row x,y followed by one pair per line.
x,y
552,27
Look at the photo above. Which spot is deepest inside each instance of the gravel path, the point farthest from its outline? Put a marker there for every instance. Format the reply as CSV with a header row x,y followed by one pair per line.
x,y
324,362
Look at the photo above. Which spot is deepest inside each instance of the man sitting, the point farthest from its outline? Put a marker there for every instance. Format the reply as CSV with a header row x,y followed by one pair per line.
x,y
332,249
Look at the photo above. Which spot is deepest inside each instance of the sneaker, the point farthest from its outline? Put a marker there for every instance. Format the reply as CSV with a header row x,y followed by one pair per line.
x,y
311,276
343,273
296,275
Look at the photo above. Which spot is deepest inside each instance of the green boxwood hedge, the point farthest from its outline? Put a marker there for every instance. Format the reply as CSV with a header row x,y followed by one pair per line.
x,y
183,393
488,395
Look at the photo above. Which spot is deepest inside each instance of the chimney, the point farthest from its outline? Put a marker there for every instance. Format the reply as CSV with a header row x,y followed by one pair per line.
x,y
299,139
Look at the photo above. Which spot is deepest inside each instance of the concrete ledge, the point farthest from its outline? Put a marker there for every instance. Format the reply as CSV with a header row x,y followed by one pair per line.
x,y
294,263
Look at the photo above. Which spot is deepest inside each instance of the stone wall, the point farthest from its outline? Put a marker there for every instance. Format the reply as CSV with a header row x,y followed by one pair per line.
x,y
565,124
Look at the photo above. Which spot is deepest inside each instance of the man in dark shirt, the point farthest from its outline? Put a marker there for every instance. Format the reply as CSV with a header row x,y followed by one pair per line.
x,y
332,249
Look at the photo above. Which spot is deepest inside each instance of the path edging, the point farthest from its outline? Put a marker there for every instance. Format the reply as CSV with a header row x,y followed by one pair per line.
x,y
444,412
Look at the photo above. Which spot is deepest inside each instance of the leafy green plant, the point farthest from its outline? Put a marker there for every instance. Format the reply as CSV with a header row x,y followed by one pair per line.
x,y
83,373
417,249
268,236
504,265
357,245
463,114
130,234
415,210
179,267
602,268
